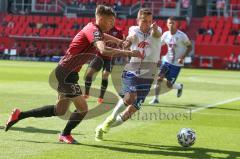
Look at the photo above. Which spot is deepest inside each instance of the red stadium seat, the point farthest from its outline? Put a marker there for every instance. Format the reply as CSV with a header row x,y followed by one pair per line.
x,y
135,1
86,20
9,17
199,39
126,2
223,39
231,40
218,31
51,19
213,23
235,27
207,39
215,39
43,32
238,40
183,25
121,23
79,20
50,32
43,19
131,22
21,32
58,19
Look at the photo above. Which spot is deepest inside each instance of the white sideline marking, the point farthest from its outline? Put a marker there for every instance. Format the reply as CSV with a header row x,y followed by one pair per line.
x,y
213,105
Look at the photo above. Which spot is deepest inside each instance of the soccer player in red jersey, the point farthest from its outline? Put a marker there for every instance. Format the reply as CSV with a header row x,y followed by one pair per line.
x,y
102,62
82,48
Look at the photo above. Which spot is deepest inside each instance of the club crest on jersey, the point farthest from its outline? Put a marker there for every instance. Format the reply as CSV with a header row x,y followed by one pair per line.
x,y
97,35
143,44
114,33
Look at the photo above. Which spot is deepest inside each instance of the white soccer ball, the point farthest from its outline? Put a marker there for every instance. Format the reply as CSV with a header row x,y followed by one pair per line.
x,y
186,137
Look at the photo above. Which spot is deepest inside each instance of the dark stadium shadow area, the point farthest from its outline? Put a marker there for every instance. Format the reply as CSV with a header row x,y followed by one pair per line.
x,y
169,151
35,130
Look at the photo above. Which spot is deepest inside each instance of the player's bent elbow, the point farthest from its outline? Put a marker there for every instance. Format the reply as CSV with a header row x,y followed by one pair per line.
x,y
104,52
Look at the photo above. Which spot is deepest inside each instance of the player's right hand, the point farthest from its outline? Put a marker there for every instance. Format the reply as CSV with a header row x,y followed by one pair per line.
x,y
126,44
154,26
137,53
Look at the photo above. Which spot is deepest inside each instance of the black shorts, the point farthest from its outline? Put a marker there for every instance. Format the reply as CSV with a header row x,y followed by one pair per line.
x,y
67,82
97,63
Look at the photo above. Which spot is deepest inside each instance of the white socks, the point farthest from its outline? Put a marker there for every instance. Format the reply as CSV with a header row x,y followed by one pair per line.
x,y
114,119
157,91
118,108
176,86
118,121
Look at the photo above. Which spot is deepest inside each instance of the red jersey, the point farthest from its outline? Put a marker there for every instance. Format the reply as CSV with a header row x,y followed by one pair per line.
x,y
116,32
81,49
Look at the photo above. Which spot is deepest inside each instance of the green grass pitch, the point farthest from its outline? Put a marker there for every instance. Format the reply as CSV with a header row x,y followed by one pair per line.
x,y
212,96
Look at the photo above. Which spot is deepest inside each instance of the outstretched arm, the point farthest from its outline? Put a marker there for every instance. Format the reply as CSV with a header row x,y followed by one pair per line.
x,y
188,50
108,51
155,32
112,39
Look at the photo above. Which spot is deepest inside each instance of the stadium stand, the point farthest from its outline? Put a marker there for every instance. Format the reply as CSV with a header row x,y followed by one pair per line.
x,y
216,36
224,40
56,28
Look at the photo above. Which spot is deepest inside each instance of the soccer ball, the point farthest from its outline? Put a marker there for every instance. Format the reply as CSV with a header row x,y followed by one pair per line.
x,y
186,137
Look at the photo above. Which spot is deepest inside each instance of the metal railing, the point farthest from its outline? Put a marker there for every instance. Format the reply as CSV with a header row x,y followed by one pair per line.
x,y
227,10
234,9
134,9
19,6
163,8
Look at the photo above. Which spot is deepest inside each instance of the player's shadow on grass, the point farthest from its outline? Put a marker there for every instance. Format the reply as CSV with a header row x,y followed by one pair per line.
x,y
169,105
174,151
45,142
30,129
224,108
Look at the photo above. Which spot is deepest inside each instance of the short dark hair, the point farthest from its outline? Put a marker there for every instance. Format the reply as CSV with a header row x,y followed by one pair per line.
x,y
103,10
144,11
172,18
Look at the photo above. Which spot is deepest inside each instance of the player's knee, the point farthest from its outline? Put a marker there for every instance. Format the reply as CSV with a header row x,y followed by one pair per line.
x,y
88,78
129,112
130,98
84,112
105,75
59,112
90,72
160,79
84,107
169,84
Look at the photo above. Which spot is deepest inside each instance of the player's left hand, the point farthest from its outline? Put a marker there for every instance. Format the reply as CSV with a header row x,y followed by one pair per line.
x,y
126,44
137,53
181,60
154,26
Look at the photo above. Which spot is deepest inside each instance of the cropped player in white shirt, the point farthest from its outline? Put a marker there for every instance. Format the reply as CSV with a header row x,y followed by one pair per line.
x,y
179,47
138,74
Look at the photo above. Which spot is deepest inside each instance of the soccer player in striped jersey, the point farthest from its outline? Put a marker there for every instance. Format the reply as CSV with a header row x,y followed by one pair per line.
x,y
83,48
138,74
179,47
102,62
